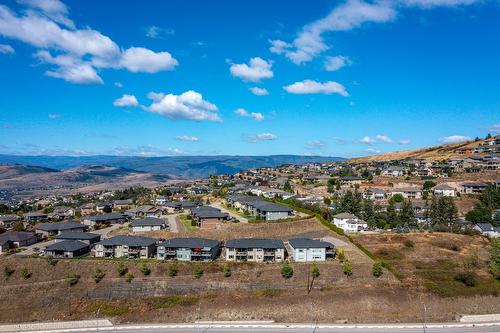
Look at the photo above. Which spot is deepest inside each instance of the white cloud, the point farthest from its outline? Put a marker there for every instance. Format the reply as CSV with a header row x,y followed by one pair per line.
x,y
262,137
373,151
383,138
314,87
257,70
156,32
139,59
53,9
118,84
315,144
126,101
6,49
259,91
367,140
404,142
347,16
254,115
335,63
69,68
147,151
495,128
278,46
188,105
455,138
187,138
77,53
53,116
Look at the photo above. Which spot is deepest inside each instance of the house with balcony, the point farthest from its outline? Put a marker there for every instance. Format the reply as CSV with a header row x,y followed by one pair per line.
x,y
444,191
136,247
67,249
309,250
349,222
412,192
107,219
255,250
188,249
16,239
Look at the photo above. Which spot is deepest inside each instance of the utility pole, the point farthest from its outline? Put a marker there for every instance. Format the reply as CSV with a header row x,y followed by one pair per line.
x,y
425,318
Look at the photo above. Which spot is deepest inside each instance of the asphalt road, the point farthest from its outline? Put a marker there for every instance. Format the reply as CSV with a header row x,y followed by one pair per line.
x,y
304,328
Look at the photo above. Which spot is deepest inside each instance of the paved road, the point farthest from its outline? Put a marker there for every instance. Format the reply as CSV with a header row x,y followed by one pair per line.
x,y
280,328
236,216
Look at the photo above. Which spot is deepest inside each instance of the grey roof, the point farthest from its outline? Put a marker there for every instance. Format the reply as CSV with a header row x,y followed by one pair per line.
x,y
208,212
67,246
106,217
59,226
270,207
128,240
351,178
308,243
35,214
188,204
191,242
15,236
443,187
485,226
148,221
474,184
255,243
9,218
344,216
78,235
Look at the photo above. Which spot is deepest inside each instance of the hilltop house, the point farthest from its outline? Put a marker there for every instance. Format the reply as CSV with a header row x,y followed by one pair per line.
x,y
126,247
349,222
350,180
207,217
307,250
7,221
413,192
374,194
255,249
188,249
473,187
444,190
394,171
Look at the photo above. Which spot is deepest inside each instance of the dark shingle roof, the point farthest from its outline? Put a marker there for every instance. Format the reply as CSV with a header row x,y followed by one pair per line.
x,y
255,243
67,246
344,216
148,221
77,235
308,243
128,240
106,217
208,212
59,226
191,242
15,236
271,207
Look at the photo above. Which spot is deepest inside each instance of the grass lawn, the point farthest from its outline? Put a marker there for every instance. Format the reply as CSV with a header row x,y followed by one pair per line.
x,y
187,222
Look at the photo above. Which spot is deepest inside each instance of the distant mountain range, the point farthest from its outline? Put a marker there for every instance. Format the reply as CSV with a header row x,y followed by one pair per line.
x,y
171,166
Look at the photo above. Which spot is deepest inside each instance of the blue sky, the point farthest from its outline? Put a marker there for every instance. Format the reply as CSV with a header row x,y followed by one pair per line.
x,y
330,78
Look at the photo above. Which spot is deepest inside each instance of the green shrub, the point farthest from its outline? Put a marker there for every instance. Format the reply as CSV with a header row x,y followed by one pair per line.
x,y
73,279
315,271
8,271
467,278
409,243
172,270
226,270
121,269
377,269
494,264
173,300
145,270
268,292
347,268
339,253
286,271
98,275
198,271
51,261
25,273
110,310
129,277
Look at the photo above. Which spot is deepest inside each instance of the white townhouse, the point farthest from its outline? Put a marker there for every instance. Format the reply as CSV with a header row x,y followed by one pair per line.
x,y
349,222
444,190
307,250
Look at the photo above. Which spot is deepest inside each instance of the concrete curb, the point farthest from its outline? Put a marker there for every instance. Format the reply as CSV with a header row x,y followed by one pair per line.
x,y
57,325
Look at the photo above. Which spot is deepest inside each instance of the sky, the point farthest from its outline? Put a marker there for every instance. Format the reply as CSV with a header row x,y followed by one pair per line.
x,y
331,78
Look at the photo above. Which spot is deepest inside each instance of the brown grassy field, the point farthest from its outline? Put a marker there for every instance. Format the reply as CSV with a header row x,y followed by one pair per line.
x,y
431,261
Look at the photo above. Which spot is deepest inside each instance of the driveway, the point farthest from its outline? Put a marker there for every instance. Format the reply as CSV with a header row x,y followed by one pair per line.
x,y
174,223
233,215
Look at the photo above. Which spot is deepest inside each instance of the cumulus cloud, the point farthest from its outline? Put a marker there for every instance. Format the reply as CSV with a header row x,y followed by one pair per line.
x,y
261,137
126,101
279,46
156,32
314,87
383,138
367,140
54,116
455,138
254,115
188,105
404,142
373,151
76,53
259,91
315,144
187,138
333,64
257,70
6,49
495,128
147,151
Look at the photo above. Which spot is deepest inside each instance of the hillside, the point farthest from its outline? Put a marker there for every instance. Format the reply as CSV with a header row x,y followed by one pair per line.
x,y
174,166
435,153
